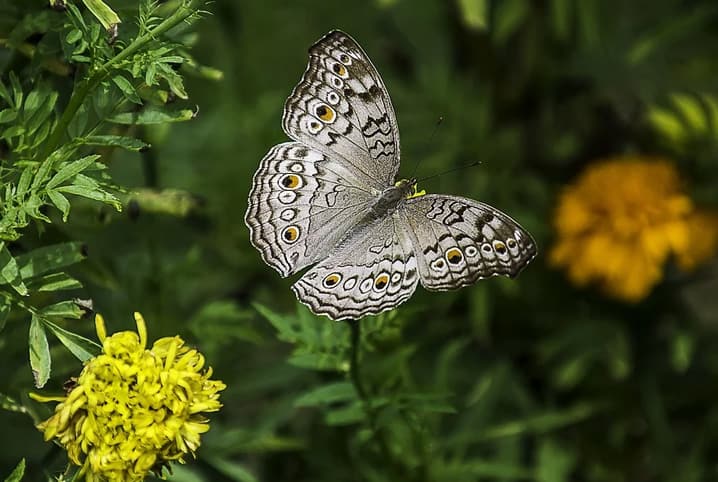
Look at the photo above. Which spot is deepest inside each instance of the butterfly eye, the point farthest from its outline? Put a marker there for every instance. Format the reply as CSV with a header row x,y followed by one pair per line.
x,y
454,256
290,234
325,113
345,59
511,243
336,81
438,265
332,280
381,281
500,247
291,181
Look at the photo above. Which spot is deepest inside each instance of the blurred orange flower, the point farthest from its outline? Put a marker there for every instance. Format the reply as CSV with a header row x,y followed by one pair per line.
x,y
620,221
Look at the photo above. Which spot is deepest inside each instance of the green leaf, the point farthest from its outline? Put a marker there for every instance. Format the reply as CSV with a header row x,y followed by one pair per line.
x,y
127,88
63,309
81,347
97,194
60,203
24,183
7,116
102,12
325,394
282,324
509,14
554,463
71,170
54,282
473,13
9,272
17,474
50,258
39,353
320,361
231,469
4,311
351,414
153,115
129,143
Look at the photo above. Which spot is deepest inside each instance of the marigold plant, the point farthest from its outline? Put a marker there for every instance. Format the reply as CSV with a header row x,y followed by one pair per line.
x,y
133,410
622,219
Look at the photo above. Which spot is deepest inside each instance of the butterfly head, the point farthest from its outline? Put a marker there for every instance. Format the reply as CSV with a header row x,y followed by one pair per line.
x,y
409,188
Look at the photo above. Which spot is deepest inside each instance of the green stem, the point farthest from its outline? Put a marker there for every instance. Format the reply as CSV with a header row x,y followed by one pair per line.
x,y
371,412
183,12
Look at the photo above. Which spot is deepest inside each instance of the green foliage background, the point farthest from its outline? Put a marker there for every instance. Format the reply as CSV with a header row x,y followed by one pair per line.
x,y
527,379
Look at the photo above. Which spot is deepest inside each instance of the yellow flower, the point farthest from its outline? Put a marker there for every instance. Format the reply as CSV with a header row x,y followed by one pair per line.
x,y
622,219
133,410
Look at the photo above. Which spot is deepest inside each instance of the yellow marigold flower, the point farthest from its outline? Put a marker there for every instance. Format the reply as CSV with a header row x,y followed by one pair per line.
x,y
620,221
133,410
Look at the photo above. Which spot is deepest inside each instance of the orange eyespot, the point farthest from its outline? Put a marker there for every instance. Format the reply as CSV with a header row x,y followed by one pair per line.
x,y
291,181
339,69
290,234
454,256
499,247
332,280
381,281
325,113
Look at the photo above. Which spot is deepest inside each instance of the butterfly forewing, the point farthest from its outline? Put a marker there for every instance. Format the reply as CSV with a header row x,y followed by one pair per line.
x,y
300,203
341,108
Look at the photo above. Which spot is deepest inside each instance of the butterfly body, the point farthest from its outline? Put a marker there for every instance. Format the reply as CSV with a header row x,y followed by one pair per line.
x,y
328,199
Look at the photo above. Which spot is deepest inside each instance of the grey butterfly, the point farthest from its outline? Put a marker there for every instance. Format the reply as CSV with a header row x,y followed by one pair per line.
x,y
329,199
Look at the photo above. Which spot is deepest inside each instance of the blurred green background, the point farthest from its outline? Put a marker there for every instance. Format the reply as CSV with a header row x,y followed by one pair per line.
x,y
526,379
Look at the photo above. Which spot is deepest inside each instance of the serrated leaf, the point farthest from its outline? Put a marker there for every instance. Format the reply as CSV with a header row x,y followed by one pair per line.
x,y
60,203
50,258
129,143
81,347
325,394
18,472
39,353
153,116
9,272
71,170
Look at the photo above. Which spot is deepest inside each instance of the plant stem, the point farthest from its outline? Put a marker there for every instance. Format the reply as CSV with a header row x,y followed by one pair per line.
x,y
184,11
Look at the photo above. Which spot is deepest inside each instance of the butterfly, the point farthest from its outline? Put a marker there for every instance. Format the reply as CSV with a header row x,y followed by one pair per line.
x,y
329,199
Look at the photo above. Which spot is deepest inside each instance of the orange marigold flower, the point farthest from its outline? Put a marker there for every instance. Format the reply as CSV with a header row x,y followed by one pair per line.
x,y
133,410
620,221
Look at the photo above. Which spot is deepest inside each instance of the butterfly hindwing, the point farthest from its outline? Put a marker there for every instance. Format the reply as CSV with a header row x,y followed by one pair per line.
x,y
460,241
341,108
300,205
373,270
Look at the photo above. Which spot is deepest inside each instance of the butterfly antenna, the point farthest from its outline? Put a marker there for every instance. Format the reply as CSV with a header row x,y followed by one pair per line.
x,y
428,143
458,168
